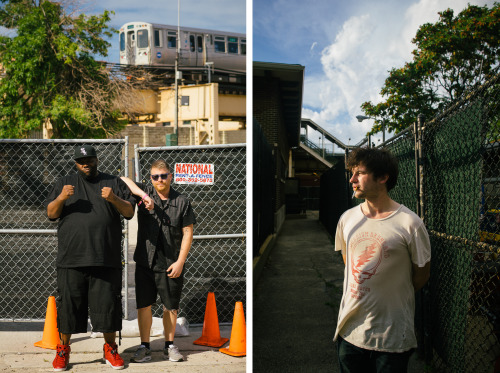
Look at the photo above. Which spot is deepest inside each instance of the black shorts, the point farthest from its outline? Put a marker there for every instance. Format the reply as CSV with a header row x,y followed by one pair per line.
x,y
97,288
149,283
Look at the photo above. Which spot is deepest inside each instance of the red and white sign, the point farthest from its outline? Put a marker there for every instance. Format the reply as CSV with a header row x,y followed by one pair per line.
x,y
194,173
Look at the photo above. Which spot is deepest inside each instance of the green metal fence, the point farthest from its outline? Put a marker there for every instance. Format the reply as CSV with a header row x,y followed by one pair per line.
x,y
460,170
450,176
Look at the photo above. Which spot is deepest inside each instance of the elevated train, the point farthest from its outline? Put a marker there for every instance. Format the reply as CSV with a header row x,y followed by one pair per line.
x,y
150,44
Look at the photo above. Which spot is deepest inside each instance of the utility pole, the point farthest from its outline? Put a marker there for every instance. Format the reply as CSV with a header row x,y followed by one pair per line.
x,y
176,117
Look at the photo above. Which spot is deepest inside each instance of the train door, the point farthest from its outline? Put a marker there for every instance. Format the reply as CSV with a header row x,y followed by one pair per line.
x,y
143,47
196,49
130,48
158,49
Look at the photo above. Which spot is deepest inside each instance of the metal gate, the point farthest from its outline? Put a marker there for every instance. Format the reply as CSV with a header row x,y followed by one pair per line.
x,y
217,259
28,241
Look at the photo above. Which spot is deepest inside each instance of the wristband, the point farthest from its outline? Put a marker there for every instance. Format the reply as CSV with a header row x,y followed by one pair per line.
x,y
145,195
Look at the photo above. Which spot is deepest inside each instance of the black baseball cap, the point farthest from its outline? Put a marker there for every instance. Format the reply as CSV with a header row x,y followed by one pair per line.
x,y
84,151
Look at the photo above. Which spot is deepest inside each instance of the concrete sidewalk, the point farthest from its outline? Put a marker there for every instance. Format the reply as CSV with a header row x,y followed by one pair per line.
x,y
18,354
296,302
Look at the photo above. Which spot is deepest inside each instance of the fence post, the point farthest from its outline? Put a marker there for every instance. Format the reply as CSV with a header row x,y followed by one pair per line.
x,y
421,199
422,297
419,171
125,239
348,195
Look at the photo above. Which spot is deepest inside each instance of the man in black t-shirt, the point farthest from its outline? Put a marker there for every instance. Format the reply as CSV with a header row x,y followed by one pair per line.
x,y
88,205
165,233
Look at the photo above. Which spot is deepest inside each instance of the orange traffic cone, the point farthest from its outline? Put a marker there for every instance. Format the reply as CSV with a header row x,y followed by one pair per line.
x,y
50,337
210,335
237,344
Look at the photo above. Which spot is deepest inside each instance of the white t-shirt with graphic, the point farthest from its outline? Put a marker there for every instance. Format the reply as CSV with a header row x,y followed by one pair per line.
x,y
378,304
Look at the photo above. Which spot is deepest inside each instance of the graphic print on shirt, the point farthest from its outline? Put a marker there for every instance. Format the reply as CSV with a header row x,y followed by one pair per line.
x,y
366,252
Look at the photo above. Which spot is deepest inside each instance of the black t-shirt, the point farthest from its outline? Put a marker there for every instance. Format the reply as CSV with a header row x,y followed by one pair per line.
x,y
89,230
159,235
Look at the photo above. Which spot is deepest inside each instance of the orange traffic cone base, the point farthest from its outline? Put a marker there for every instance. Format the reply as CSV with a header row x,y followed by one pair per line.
x,y
232,353
211,342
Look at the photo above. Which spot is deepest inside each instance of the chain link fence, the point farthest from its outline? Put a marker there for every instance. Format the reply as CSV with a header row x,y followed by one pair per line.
x,y
28,241
217,259
460,204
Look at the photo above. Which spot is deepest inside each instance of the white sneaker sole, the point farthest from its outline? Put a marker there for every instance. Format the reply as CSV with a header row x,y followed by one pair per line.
x,y
112,366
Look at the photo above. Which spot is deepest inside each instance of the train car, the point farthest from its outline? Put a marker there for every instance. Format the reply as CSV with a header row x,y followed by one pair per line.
x,y
151,44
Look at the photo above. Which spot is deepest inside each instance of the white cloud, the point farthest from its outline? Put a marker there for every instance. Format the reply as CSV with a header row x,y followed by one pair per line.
x,y
356,64
312,47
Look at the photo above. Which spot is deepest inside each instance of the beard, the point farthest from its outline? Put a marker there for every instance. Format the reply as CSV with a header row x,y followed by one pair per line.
x,y
91,175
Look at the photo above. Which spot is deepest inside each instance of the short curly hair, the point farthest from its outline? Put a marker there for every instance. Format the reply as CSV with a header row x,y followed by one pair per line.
x,y
380,162
161,164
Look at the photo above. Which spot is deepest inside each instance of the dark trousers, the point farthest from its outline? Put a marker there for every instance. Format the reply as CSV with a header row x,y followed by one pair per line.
x,y
353,359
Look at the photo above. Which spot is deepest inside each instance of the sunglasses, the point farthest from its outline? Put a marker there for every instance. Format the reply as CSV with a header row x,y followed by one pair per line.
x,y
162,176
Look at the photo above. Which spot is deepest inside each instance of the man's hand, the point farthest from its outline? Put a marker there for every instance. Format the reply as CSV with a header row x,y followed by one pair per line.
x,y
66,192
107,194
175,269
148,202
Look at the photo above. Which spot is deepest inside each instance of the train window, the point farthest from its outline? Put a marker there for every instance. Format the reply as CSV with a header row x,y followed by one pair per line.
x,y
122,41
232,45
191,43
243,46
157,38
172,39
199,40
142,39
220,44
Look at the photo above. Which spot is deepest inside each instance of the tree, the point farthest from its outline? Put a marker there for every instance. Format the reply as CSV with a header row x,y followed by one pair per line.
x,y
50,75
452,56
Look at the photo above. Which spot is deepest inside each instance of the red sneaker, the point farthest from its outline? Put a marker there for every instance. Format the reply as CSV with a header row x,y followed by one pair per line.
x,y
61,361
112,357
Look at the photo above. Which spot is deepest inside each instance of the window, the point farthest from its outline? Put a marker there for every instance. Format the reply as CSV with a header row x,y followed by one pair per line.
x,y
232,45
200,44
186,122
243,46
191,43
172,39
142,39
220,44
157,38
122,41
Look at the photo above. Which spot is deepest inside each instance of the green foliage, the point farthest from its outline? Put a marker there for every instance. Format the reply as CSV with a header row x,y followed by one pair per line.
x,y
49,73
452,56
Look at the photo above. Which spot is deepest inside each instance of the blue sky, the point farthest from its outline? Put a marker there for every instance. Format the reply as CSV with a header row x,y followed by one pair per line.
x,y
225,15
347,48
